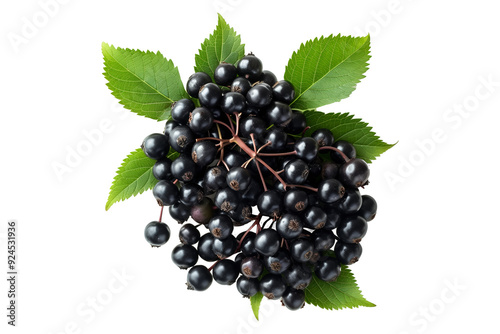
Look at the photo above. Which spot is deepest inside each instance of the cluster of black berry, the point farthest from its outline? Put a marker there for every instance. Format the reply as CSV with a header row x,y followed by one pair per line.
x,y
244,147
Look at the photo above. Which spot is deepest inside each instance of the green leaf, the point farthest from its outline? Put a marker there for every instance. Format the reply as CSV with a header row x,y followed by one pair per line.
x,y
134,176
255,301
345,127
224,45
327,69
145,82
342,293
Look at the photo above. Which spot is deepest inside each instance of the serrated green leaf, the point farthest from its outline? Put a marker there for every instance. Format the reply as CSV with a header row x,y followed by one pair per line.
x,y
255,301
224,45
145,82
345,127
327,69
134,176
343,293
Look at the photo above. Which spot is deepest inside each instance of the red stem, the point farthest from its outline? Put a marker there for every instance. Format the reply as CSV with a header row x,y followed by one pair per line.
x,y
272,171
336,150
161,213
227,126
277,154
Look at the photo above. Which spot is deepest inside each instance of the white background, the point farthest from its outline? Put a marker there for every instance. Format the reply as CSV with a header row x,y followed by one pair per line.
x,y
436,225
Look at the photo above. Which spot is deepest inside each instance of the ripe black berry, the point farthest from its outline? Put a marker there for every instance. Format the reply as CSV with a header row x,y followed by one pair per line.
x,y
225,272
248,287
191,194
183,168
278,263
210,95
301,250
330,191
181,138
181,110
293,299
354,173
179,212
296,201
189,234
278,113
327,269
283,91
272,286
238,178
203,152
268,77
224,247
324,137
155,146
224,74
184,256
201,120
226,199
260,95
350,202
221,226
368,208
289,226
161,169
205,248
233,102
347,148
195,82
267,242
297,171
352,229
165,193
270,203
315,217
157,233
347,253
251,267
307,148
249,67
199,278
298,276
241,85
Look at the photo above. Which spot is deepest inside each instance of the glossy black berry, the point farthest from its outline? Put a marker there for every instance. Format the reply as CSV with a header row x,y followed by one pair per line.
x,y
278,113
314,217
278,263
289,226
347,253
201,120
352,229
354,173
215,179
330,191
333,217
233,102
204,152
210,95
324,137
249,67
296,171
250,125
345,147
195,82
184,256
205,248
183,168
234,158
293,299
161,169
277,137
283,91
296,201
155,146
226,272
157,233
241,85
260,95
298,276
272,286
227,199
306,148
221,226
251,195
224,247
199,278
248,287
189,234
169,126
267,242
224,74
181,138
350,202
181,109
268,77
270,203
301,249
191,194
251,267
322,239
179,212
248,244
368,208
327,269
165,193
238,178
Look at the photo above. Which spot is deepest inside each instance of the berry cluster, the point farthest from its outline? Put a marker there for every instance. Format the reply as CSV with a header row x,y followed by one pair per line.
x,y
243,149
